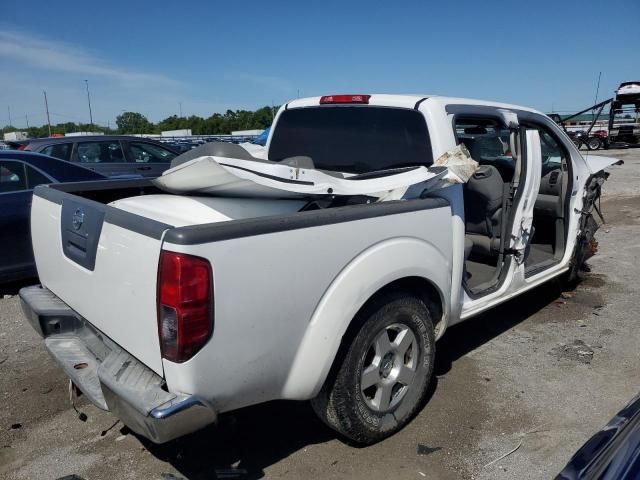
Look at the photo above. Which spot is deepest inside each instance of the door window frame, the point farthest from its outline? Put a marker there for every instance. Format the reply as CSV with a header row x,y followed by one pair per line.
x,y
487,113
26,165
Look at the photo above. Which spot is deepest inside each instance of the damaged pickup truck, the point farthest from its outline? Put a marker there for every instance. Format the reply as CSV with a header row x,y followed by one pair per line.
x,y
325,272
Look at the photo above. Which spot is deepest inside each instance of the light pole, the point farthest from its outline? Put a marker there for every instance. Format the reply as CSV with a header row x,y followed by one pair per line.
x,y
86,82
46,107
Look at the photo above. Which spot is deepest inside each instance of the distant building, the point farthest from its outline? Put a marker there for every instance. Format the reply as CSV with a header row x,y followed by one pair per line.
x,y
15,136
185,132
246,133
82,134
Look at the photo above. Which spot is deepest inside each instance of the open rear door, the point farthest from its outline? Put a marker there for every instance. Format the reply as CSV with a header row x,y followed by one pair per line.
x,y
530,152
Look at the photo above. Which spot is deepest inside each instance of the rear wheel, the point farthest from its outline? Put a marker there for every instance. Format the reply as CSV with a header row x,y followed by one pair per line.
x,y
383,377
594,143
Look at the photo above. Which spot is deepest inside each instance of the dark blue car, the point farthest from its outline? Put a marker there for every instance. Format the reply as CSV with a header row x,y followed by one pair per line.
x,y
20,173
611,454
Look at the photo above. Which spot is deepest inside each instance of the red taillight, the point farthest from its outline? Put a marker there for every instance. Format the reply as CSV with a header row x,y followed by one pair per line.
x,y
344,99
184,305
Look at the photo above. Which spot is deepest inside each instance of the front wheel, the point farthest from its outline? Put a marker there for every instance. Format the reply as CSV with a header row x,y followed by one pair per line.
x,y
383,378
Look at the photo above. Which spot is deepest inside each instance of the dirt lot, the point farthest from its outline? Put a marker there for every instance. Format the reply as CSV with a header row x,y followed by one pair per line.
x,y
548,370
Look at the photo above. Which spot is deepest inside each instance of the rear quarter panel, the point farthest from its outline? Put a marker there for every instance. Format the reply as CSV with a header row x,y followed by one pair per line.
x,y
283,300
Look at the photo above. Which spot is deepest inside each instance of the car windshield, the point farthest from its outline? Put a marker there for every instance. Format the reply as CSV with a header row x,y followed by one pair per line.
x,y
353,139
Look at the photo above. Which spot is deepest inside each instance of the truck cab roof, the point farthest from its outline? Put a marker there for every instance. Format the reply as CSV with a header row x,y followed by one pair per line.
x,y
405,101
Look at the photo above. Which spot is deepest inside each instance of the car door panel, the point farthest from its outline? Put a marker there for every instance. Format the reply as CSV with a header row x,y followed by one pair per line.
x,y
16,257
145,163
15,242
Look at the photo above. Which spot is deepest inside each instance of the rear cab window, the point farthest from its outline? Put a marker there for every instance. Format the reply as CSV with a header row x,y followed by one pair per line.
x,y
353,139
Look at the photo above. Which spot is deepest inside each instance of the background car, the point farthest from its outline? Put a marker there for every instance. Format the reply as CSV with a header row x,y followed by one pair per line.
x,y
20,173
613,453
110,155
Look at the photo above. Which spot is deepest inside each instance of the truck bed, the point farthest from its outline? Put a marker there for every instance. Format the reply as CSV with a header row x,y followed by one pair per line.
x,y
97,247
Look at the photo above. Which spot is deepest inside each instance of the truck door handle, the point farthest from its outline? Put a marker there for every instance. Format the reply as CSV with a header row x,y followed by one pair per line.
x,y
143,168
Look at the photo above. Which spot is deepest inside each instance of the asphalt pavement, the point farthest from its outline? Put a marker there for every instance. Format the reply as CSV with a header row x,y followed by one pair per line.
x,y
516,391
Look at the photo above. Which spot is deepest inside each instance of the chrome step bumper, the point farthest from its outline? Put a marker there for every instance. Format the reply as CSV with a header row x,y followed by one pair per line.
x,y
110,377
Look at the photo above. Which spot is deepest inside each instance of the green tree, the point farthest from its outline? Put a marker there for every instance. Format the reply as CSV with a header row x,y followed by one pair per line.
x,y
133,122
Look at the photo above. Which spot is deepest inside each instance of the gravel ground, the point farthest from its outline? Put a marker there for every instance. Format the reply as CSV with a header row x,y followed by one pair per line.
x,y
541,373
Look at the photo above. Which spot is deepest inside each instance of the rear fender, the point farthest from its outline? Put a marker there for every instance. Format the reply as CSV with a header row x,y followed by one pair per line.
x,y
370,271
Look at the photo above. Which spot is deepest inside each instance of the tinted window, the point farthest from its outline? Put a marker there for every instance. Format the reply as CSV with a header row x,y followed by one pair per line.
x,y
100,152
353,139
12,176
149,153
60,150
35,178
60,170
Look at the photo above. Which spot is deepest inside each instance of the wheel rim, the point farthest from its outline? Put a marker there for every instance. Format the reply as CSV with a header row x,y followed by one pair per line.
x,y
594,144
389,367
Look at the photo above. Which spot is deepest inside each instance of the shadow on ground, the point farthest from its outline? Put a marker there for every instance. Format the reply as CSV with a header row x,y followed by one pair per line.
x,y
245,442
469,335
250,440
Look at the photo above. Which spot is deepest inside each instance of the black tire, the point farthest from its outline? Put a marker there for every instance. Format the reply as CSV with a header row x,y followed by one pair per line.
x,y
342,404
577,143
594,143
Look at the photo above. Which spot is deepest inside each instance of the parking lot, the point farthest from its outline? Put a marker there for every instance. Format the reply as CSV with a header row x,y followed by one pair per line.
x,y
535,377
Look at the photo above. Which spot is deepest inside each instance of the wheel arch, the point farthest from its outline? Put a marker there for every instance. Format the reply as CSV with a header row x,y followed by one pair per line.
x,y
334,321
420,287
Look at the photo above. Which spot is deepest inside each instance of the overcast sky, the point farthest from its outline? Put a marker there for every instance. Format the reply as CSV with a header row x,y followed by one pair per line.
x,y
210,56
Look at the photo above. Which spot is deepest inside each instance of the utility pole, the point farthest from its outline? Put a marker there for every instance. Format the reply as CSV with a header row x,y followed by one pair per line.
x,y
86,82
9,110
46,106
597,88
26,117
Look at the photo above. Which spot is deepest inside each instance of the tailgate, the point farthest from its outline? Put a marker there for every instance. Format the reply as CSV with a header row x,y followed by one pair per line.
x,y
103,263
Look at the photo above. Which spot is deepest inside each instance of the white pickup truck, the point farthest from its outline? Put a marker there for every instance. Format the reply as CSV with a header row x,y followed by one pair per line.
x,y
170,309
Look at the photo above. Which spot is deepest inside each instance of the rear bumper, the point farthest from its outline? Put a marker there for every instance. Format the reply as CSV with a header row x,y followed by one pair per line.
x,y
109,376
